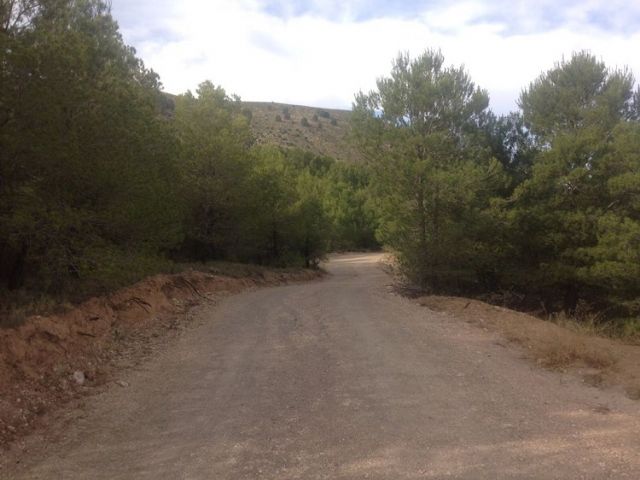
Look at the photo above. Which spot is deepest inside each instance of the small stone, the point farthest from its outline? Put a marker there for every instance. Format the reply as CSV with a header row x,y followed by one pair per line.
x,y
122,383
79,377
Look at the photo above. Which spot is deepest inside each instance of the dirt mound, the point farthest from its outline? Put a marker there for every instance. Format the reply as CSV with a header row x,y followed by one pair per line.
x,y
600,361
49,360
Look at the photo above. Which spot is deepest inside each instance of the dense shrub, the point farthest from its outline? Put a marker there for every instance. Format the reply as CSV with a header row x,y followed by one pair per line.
x,y
104,178
543,202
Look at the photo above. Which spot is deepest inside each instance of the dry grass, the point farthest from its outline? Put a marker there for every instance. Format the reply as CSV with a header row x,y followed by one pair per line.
x,y
17,306
327,136
560,344
625,330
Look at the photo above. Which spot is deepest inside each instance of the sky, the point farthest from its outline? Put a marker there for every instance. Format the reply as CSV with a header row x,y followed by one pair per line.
x,y
322,52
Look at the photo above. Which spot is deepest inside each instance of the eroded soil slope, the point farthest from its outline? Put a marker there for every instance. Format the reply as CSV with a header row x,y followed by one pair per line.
x,y
49,360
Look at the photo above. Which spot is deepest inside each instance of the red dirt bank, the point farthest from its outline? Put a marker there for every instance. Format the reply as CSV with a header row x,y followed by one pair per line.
x,y
38,359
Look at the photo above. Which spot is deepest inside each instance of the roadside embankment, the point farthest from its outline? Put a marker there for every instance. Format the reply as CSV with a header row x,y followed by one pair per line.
x,y
49,360
601,362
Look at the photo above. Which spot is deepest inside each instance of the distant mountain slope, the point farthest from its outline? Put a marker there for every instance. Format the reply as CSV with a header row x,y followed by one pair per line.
x,y
325,131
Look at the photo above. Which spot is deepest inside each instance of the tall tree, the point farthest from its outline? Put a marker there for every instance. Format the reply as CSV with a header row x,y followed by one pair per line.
x,y
431,178
86,161
574,109
610,265
576,95
214,137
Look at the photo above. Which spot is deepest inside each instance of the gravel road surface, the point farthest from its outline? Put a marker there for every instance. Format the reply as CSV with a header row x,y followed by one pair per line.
x,y
342,379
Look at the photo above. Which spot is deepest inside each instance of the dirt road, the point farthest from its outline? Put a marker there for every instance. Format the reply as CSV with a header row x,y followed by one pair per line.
x,y
342,379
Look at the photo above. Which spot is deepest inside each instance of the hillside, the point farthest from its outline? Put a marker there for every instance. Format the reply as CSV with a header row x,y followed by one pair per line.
x,y
326,131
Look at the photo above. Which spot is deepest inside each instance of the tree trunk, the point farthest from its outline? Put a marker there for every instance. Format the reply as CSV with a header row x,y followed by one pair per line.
x,y
570,301
307,252
275,248
15,278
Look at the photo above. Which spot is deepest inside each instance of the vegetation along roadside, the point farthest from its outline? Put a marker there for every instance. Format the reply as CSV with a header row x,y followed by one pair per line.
x,y
105,179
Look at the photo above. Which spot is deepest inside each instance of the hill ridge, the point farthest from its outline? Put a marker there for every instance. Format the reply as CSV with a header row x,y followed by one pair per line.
x,y
322,131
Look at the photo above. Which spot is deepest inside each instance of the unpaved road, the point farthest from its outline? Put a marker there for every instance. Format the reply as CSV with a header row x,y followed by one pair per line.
x,y
341,379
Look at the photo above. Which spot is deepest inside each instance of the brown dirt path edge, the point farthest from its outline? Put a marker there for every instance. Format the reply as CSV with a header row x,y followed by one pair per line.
x,y
340,379
96,339
599,361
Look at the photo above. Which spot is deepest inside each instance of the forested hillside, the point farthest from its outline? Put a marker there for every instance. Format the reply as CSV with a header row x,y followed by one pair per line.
x,y
105,179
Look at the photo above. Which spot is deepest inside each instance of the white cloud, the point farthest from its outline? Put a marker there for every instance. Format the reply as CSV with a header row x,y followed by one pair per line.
x,y
316,60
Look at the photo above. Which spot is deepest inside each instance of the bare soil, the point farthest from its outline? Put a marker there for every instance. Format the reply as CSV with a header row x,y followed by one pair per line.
x,y
49,360
600,361
338,379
